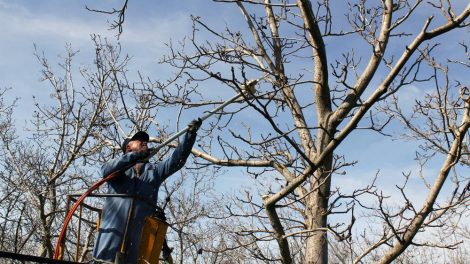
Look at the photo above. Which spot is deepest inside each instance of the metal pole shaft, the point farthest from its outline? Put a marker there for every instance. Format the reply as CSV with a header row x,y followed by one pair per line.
x,y
204,117
130,213
78,232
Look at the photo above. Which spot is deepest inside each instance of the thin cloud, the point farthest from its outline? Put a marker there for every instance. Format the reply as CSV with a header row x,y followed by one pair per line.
x,y
21,22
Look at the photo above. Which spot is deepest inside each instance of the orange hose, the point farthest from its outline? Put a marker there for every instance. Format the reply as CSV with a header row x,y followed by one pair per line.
x,y
78,202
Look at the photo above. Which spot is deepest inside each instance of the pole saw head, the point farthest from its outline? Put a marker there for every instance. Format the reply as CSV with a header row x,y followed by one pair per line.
x,y
248,89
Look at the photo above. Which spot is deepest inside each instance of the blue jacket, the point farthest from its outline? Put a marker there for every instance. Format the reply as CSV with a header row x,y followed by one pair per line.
x,y
115,209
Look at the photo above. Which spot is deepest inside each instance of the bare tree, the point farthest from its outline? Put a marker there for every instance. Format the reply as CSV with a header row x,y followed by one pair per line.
x,y
65,139
286,44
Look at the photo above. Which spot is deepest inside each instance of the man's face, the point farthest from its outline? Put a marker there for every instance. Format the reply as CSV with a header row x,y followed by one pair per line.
x,y
136,145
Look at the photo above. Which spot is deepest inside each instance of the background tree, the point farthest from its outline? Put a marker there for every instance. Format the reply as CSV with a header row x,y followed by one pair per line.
x,y
37,172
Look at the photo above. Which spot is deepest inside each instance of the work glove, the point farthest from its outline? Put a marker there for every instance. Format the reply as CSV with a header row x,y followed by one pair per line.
x,y
194,125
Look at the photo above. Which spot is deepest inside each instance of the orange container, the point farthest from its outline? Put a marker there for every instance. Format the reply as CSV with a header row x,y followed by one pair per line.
x,y
151,241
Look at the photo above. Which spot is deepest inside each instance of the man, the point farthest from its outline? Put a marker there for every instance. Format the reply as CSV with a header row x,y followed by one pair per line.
x,y
141,183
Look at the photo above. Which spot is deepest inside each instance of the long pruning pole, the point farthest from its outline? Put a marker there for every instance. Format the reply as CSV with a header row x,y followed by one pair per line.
x,y
247,91
204,117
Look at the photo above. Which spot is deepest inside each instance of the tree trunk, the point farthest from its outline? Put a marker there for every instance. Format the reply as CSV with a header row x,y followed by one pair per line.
x,y
317,203
316,215
316,244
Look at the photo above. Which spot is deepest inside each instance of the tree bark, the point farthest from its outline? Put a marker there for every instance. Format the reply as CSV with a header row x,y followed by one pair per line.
x,y
316,249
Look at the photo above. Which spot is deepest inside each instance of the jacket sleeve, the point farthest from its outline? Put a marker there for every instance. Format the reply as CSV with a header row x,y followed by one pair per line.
x,y
119,163
178,157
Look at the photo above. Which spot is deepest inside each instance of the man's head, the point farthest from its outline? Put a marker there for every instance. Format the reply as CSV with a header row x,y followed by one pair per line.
x,y
137,142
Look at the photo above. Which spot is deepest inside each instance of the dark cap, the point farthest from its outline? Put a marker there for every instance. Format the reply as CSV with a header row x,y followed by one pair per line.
x,y
141,135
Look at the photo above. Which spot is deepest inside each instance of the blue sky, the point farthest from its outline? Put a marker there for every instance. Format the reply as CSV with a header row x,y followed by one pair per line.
x,y
149,24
